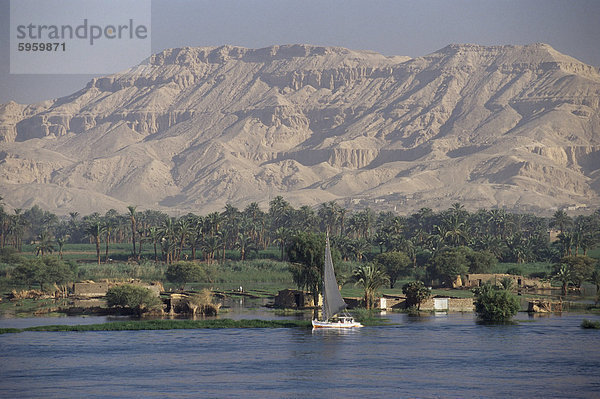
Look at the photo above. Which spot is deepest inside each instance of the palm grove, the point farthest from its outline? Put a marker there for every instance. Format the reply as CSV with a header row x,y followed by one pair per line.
x,y
383,247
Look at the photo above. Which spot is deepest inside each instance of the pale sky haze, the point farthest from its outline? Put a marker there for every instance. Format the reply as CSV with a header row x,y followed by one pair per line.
x,y
390,27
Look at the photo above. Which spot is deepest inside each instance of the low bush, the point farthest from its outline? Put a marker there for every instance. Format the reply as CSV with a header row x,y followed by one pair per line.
x,y
415,292
186,272
136,298
495,303
203,303
590,324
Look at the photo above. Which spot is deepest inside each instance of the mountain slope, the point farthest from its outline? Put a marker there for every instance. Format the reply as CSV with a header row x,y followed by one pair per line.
x,y
194,128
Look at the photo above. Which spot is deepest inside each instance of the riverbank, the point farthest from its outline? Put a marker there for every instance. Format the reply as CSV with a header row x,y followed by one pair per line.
x,y
366,318
135,325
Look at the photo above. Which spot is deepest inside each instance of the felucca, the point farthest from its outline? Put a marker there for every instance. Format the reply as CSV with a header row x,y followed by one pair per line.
x,y
333,303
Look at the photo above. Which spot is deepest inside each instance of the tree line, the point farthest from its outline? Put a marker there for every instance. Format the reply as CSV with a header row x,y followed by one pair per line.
x,y
509,237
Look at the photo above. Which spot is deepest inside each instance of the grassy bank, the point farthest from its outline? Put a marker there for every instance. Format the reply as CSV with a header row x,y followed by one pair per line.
x,y
367,318
589,324
167,325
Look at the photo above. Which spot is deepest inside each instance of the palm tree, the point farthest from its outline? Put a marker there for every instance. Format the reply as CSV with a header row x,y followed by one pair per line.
x,y
254,215
497,219
45,243
279,212
210,245
566,240
61,243
196,234
564,276
354,225
423,220
371,277
305,219
458,210
94,230
183,230
380,238
519,248
281,236
214,221
132,214
231,217
329,214
167,238
4,223
344,245
360,247
342,218
18,226
154,236
561,220
244,243
455,230
366,220
109,222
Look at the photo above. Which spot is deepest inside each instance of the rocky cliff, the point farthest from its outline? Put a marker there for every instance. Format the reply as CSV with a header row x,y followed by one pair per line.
x,y
194,128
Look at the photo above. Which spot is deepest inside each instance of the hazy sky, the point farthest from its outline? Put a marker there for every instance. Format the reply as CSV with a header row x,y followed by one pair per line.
x,y
391,27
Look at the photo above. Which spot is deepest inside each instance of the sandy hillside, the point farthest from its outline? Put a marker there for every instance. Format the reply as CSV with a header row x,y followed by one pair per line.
x,y
508,126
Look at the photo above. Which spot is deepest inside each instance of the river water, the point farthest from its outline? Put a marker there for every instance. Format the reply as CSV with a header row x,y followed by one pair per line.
x,y
445,356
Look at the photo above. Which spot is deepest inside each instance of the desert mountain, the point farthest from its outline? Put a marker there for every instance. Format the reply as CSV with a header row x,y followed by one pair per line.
x,y
194,128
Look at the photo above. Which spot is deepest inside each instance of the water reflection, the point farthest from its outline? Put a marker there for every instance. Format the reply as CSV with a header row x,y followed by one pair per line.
x,y
336,332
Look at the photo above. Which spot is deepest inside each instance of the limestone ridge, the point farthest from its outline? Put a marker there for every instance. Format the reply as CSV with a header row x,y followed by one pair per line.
x,y
193,128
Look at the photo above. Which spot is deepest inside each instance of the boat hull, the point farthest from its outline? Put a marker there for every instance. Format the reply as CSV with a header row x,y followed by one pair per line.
x,y
329,324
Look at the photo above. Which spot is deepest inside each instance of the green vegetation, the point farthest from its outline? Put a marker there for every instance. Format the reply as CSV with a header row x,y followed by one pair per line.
x,y
369,317
371,278
264,274
494,303
168,325
185,272
446,265
415,292
145,270
396,264
132,297
29,306
530,269
306,253
251,247
45,272
590,324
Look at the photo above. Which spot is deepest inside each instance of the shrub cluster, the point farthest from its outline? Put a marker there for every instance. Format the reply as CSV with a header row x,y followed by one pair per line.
x,y
133,297
495,303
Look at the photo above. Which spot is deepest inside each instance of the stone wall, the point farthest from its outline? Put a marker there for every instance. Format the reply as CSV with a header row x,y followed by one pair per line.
x,y
454,305
475,280
91,289
293,299
390,302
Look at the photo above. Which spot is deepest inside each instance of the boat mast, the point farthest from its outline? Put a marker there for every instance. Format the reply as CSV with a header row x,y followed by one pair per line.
x,y
333,303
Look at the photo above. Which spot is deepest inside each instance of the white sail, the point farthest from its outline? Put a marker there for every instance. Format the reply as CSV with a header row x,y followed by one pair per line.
x,y
332,299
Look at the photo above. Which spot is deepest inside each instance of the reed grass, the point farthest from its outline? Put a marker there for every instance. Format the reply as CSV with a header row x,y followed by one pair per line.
x,y
255,271
166,325
369,318
590,324
147,271
533,269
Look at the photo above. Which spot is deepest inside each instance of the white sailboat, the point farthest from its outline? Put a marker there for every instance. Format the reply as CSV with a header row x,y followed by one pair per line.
x,y
333,303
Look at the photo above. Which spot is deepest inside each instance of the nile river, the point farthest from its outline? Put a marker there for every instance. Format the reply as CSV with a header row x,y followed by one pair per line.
x,y
447,356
